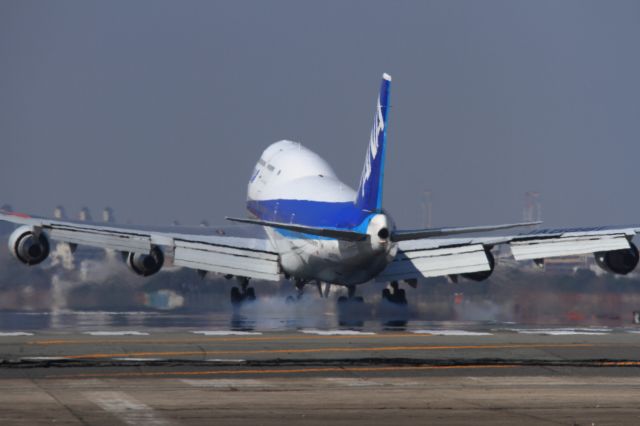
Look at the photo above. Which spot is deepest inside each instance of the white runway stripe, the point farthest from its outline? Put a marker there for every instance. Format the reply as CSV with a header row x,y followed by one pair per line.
x,y
337,332
564,331
117,333
126,408
451,332
350,382
41,358
227,383
138,359
226,333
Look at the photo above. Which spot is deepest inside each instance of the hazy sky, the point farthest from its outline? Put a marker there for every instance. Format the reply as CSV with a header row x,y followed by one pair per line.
x,y
160,109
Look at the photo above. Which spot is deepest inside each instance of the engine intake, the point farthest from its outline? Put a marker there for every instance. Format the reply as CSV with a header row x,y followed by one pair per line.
x,y
29,247
618,261
146,264
483,275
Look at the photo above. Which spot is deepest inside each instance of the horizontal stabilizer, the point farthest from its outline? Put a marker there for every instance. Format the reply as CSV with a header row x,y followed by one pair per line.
x,y
339,234
443,232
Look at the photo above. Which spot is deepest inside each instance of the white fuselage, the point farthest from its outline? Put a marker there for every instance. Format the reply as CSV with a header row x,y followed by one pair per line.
x,y
291,184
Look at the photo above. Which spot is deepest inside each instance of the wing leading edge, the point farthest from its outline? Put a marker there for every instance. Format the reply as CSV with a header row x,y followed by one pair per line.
x,y
428,257
234,255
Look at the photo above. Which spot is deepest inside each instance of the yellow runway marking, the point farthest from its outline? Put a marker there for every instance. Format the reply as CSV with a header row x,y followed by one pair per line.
x,y
319,350
621,363
283,371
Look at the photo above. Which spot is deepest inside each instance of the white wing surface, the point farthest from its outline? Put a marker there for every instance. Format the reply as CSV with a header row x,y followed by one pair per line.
x,y
197,248
428,257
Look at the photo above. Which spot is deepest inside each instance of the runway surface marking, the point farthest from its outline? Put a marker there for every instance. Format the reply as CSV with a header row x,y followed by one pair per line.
x,y
219,339
337,332
563,331
226,383
351,382
226,333
116,333
42,358
320,350
283,371
621,363
126,408
451,333
138,359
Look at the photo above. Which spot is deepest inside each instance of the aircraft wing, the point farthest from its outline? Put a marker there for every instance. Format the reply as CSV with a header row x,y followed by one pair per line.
x,y
233,253
430,257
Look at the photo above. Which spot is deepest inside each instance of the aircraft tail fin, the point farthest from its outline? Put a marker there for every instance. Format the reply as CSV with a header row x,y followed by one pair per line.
x,y
369,196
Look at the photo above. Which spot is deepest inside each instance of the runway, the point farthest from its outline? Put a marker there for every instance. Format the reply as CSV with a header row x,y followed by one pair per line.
x,y
122,372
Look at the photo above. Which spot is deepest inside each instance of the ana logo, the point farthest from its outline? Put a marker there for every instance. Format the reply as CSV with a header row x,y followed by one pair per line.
x,y
374,143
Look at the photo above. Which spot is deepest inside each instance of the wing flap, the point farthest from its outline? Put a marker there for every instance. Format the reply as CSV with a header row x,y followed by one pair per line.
x,y
227,260
436,262
567,246
110,240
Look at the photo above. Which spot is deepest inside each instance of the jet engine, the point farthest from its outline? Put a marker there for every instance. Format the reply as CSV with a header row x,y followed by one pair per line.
x,y
483,275
146,264
28,246
618,261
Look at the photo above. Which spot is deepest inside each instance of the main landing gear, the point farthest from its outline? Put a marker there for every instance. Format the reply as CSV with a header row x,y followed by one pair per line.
x,y
395,294
243,294
350,297
299,283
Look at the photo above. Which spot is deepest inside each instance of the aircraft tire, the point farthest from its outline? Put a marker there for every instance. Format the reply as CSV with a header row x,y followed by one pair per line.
x,y
236,296
400,297
386,295
250,295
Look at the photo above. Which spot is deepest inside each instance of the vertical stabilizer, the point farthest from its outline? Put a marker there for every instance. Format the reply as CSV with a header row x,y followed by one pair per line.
x,y
370,190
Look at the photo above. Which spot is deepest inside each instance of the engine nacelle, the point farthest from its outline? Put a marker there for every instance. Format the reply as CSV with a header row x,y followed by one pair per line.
x,y
618,261
28,246
146,264
483,275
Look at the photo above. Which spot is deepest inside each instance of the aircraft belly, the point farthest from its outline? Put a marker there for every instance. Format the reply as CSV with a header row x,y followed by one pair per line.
x,y
328,260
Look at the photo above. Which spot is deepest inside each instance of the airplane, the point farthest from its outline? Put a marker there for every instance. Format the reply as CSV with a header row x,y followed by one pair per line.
x,y
306,225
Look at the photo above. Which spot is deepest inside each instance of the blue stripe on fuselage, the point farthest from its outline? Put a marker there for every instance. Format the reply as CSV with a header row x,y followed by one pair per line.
x,y
321,214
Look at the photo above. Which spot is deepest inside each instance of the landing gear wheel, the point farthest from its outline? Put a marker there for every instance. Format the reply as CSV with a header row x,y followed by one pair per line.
x,y
398,297
236,296
250,295
386,295
351,296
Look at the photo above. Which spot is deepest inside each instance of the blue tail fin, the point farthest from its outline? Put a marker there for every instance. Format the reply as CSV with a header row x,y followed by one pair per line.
x,y
370,190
